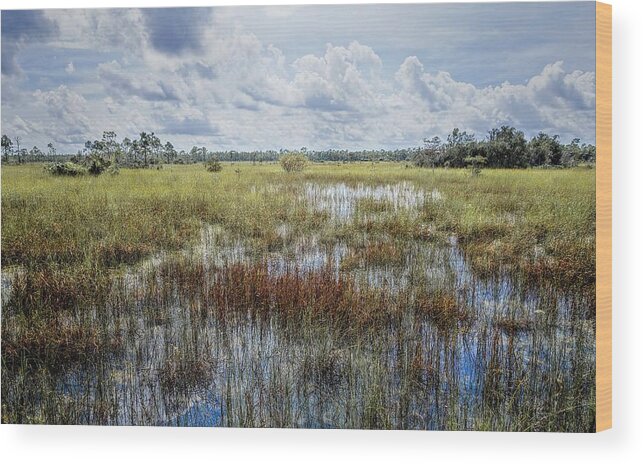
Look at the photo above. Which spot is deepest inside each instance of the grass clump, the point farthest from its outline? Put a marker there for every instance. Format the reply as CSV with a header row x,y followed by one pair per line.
x,y
183,372
58,341
213,165
374,253
441,307
514,325
66,169
293,162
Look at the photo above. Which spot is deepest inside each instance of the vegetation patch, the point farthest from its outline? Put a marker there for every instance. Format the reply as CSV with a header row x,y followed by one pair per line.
x,y
350,295
66,169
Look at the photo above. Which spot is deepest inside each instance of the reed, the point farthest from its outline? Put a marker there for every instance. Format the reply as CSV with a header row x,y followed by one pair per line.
x,y
386,297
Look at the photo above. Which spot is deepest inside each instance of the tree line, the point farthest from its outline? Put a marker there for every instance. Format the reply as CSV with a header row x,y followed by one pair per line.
x,y
504,147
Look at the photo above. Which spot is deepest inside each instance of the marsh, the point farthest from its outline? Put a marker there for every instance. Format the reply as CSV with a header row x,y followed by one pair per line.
x,y
358,295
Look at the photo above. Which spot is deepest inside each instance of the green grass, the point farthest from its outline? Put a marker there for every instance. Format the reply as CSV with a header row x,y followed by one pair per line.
x,y
301,346
519,217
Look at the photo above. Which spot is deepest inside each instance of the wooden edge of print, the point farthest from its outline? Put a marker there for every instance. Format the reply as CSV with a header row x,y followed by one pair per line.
x,y
603,216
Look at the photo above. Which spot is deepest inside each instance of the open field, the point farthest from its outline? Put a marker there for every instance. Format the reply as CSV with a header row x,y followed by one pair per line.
x,y
363,295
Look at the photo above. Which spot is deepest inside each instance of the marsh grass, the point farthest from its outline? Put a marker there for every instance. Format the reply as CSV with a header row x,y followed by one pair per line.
x,y
341,296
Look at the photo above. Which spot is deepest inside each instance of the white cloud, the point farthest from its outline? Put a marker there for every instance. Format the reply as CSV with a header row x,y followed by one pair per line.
x,y
120,83
345,78
68,114
99,29
223,87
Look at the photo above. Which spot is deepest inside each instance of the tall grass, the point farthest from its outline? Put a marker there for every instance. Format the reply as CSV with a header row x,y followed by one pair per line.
x,y
344,296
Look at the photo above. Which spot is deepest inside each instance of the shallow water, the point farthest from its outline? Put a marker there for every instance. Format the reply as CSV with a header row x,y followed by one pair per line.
x,y
340,200
180,365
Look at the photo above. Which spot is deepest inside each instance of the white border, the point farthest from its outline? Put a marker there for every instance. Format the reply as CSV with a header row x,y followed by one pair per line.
x,y
624,443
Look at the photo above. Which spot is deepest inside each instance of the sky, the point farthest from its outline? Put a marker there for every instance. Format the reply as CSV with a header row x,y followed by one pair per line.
x,y
316,76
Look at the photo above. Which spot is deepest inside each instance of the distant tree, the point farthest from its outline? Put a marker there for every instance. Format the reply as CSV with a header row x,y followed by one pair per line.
x,y
194,153
507,148
545,150
504,147
110,149
572,153
459,146
588,153
18,150
88,147
432,154
169,153
129,153
51,151
7,147
36,153
22,155
148,145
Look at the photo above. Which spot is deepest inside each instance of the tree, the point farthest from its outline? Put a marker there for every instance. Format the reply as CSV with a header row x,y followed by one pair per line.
x,y
148,145
128,150
96,164
18,151
88,147
459,146
51,151
545,150
432,153
507,148
194,153
7,147
36,153
588,153
572,153
110,147
169,152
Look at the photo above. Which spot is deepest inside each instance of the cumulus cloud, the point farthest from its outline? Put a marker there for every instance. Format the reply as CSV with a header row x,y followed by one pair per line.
x,y
69,119
438,91
182,74
344,78
554,87
553,100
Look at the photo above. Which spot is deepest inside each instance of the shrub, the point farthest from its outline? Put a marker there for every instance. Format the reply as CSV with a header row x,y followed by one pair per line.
x,y
66,169
475,163
293,162
96,164
213,166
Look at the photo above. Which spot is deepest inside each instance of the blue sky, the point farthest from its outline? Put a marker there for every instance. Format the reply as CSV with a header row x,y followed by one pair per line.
x,y
348,76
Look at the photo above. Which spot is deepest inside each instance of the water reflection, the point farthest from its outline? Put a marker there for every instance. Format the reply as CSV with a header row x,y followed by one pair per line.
x,y
180,364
